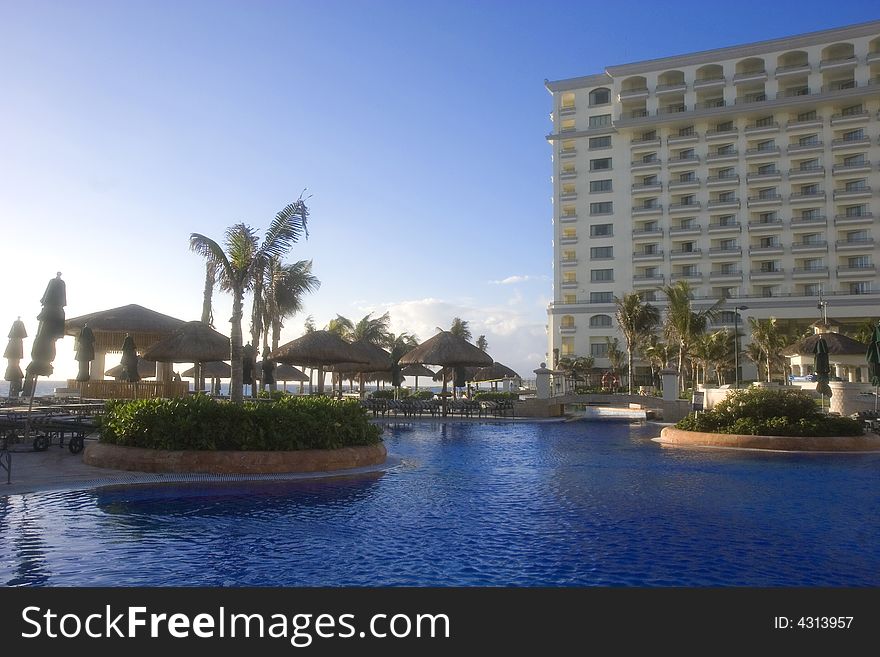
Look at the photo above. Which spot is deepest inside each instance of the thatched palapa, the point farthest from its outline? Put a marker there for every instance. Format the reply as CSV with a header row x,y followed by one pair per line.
x,y
377,360
145,326
318,349
838,345
449,350
214,369
194,342
494,372
146,369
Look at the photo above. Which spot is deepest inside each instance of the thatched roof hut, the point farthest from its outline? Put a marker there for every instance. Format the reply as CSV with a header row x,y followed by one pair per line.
x,y
145,326
286,372
377,360
194,342
416,370
448,350
838,345
317,349
494,372
146,369
214,369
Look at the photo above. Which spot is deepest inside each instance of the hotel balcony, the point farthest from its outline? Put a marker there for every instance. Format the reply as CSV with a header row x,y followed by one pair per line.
x,y
720,204
661,89
806,124
837,63
723,157
710,83
721,134
763,201
750,76
732,227
764,177
855,272
806,172
854,244
767,274
725,251
784,71
859,192
873,57
568,262
643,165
645,143
646,255
648,281
851,219
568,240
687,276
775,249
684,184
722,276
748,99
567,175
817,246
809,272
817,220
850,117
721,181
676,208
566,153
760,128
686,230
813,146
682,254
857,167
754,153
840,144
568,330
640,210
682,139
638,92
568,196
687,160
792,93
676,108
567,218
642,188
567,110
647,232
568,285
756,225
800,197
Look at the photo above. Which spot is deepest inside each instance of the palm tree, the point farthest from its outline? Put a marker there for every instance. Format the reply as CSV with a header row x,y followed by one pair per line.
x,y
754,353
236,264
482,343
341,326
659,355
683,323
616,356
399,345
771,339
459,328
636,320
309,324
578,368
373,330
714,350
864,331
285,287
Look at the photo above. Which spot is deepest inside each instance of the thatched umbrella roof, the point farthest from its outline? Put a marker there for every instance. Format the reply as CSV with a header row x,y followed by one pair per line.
x,y
416,370
194,342
214,369
448,350
495,372
287,373
838,345
146,326
316,349
449,373
146,369
377,360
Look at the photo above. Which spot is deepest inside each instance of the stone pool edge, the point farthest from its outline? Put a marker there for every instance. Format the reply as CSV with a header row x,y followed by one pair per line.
x,y
672,437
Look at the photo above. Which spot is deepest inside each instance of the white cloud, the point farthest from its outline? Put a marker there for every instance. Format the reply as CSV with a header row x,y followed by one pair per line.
x,y
518,278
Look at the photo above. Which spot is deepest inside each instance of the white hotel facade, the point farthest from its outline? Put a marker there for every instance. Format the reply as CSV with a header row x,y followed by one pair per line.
x,y
752,172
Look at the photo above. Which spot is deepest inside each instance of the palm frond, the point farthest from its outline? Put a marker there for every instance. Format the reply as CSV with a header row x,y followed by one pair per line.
x,y
241,247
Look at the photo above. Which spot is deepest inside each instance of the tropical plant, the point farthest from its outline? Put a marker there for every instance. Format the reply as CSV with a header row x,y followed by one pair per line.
x,y
341,326
398,346
460,327
864,332
714,350
636,320
578,368
285,287
372,330
236,264
771,339
683,323
659,354
309,324
482,343
616,356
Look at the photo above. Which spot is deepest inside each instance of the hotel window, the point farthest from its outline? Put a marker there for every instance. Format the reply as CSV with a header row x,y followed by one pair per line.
x,y
768,242
648,295
856,185
649,157
769,266
569,211
809,190
767,169
727,268
649,272
726,317
690,199
725,149
602,230
727,172
766,145
568,146
569,298
568,167
726,197
567,100
600,164
687,176
727,245
600,321
812,213
604,207
567,125
854,160
811,238
725,126
767,290
600,97
600,186
651,249
689,271
597,143
812,289
687,247
764,121
859,262
567,322
727,220
807,116
854,135
767,193
601,252
809,165
600,121
569,233
685,154
651,135
569,256
856,211
599,350
860,287
808,140
853,110
767,217
569,277
567,346
688,222
568,188
813,264
686,132
650,180
857,236
601,275
601,297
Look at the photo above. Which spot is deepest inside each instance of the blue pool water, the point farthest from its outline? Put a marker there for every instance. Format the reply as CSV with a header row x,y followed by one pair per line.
x,y
576,504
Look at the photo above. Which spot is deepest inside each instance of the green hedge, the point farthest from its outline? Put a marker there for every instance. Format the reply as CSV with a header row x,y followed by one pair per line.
x,y
202,423
765,412
496,396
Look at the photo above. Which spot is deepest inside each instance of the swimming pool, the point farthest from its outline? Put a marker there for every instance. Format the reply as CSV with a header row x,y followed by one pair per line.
x,y
575,504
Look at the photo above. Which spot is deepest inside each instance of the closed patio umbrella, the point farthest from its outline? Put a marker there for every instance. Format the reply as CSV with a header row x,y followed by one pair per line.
x,y
146,369
13,354
85,353
129,361
823,369
51,327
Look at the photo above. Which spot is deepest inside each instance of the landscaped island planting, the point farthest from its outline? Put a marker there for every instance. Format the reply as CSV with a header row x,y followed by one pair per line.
x,y
201,423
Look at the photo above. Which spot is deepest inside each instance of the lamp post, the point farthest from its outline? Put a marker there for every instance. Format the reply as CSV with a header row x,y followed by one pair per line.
x,y
736,344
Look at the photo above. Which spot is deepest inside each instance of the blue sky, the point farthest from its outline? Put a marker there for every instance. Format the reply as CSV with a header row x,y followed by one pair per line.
x,y
416,127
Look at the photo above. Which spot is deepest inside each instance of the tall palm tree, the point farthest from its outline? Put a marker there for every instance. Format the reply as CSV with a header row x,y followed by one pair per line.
x,y
285,287
399,345
615,355
482,343
637,320
659,355
683,323
771,339
236,264
309,324
341,326
460,327
373,330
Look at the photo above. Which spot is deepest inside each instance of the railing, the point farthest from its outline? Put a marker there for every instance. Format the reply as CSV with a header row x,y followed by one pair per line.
x,y
865,189
838,60
720,155
810,270
765,197
775,223
709,104
767,150
798,196
819,244
647,231
124,390
723,201
641,187
817,169
792,67
790,93
686,252
725,179
706,81
865,241
816,219
685,206
725,250
849,166
671,85
730,225
805,146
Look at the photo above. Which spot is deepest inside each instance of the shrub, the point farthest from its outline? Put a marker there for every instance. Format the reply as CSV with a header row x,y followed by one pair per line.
x,y
273,394
202,423
765,412
496,396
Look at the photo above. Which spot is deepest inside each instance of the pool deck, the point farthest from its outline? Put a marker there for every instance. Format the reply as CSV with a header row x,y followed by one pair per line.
x,y
58,469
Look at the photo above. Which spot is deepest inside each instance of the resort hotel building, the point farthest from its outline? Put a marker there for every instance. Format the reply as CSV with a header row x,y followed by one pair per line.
x,y
752,172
